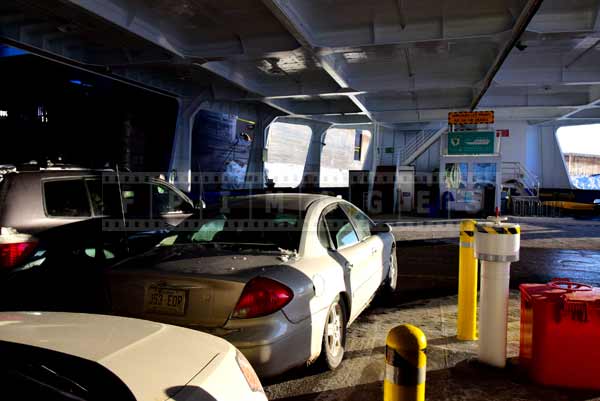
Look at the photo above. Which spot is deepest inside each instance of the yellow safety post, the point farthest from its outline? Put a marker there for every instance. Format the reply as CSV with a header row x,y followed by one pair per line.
x,y
405,364
466,327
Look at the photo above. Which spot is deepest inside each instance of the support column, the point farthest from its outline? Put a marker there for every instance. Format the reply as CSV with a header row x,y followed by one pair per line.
x,y
375,160
180,167
312,167
255,173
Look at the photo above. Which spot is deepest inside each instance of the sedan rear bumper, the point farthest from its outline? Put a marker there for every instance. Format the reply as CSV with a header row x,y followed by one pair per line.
x,y
272,344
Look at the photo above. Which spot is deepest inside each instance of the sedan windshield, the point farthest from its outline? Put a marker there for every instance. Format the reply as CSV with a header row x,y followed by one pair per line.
x,y
247,226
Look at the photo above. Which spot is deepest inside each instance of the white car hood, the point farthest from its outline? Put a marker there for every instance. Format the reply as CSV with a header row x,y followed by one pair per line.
x,y
150,358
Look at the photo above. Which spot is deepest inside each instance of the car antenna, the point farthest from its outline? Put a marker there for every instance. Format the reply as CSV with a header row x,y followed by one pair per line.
x,y
122,205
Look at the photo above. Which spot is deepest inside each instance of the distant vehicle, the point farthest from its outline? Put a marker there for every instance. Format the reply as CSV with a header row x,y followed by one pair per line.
x,y
34,199
66,357
280,276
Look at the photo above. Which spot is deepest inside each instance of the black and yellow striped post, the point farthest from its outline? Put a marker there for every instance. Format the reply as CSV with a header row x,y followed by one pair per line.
x,y
406,364
466,326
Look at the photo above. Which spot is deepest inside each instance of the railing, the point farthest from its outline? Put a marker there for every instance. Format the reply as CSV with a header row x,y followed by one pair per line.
x,y
517,172
528,206
419,144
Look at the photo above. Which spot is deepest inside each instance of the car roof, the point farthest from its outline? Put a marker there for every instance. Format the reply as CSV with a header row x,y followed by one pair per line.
x,y
130,348
290,201
63,170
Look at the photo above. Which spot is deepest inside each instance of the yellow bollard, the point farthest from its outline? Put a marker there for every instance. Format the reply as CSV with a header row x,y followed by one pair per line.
x,y
466,327
406,364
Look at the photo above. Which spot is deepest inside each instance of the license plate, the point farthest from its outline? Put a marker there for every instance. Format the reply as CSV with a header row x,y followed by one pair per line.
x,y
165,300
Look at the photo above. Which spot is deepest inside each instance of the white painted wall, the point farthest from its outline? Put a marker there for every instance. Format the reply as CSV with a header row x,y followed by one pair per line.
x,y
553,169
533,158
537,149
514,147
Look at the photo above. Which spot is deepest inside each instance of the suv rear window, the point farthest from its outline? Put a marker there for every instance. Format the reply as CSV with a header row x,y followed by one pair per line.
x,y
66,198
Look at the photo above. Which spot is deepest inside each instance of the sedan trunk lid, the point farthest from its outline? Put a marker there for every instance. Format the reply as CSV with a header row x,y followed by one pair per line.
x,y
190,285
150,358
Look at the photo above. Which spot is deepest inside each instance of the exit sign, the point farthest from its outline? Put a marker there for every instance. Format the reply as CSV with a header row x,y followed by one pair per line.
x,y
502,133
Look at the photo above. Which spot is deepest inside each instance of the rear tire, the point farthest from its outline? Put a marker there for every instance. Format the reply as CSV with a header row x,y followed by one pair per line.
x,y
391,282
334,335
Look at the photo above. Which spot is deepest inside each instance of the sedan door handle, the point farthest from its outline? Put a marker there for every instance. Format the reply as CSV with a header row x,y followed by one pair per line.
x,y
349,265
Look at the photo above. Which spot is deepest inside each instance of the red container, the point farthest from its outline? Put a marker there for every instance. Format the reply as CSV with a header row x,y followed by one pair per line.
x,y
560,334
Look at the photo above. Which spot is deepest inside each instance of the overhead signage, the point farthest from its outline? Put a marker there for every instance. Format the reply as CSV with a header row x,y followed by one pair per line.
x,y
471,142
470,117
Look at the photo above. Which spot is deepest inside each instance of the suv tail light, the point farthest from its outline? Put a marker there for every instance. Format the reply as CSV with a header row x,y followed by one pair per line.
x,y
262,296
14,247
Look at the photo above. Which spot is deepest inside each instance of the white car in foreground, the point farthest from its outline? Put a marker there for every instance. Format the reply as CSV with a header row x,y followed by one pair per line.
x,y
68,356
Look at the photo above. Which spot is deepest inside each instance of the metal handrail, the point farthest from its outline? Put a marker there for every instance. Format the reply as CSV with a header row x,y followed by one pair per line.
x,y
516,170
419,139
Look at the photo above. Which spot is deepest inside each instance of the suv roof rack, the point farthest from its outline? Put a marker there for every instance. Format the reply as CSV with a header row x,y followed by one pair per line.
x,y
33,165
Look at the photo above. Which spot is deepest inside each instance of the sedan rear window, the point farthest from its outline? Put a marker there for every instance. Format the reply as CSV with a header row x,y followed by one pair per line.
x,y
248,226
66,198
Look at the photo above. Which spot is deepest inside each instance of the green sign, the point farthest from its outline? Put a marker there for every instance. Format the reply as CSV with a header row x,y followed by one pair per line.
x,y
471,143
389,150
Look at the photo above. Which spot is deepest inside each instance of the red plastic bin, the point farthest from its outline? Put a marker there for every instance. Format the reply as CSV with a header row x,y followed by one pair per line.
x,y
560,334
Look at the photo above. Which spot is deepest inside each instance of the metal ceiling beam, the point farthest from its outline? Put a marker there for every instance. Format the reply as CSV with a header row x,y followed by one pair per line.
x,y
596,26
300,96
519,28
593,104
157,87
130,19
286,15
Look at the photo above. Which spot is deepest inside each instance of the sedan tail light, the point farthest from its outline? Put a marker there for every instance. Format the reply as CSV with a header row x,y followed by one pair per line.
x,y
261,297
14,247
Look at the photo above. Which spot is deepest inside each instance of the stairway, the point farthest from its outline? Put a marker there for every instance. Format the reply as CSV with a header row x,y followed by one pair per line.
x,y
418,144
523,179
525,186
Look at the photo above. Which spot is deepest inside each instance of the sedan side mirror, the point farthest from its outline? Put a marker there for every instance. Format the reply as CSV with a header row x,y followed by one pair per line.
x,y
382,228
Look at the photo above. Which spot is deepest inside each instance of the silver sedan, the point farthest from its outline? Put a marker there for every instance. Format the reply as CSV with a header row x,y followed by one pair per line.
x,y
280,276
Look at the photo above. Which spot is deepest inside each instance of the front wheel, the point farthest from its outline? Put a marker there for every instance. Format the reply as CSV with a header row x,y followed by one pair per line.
x,y
334,336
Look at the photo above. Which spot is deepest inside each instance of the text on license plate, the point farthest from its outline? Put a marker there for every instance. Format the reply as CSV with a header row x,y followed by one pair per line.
x,y
165,300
